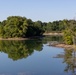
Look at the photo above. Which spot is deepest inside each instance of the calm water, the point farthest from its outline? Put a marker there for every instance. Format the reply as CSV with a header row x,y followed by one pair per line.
x,y
35,57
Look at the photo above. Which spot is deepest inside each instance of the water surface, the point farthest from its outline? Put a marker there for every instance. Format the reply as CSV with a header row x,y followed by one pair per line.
x,y
35,57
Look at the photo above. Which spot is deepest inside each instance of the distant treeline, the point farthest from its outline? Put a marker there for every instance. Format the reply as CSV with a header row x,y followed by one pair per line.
x,y
17,26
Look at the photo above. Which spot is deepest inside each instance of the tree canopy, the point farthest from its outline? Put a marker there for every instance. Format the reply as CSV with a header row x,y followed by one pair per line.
x,y
17,26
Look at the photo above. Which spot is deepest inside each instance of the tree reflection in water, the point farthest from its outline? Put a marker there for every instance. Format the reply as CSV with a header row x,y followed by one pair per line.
x,y
69,57
20,49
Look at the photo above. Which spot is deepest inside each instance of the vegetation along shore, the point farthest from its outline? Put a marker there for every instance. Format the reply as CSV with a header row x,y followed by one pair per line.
x,y
21,28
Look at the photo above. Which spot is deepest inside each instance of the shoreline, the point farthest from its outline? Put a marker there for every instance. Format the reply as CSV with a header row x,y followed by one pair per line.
x,y
26,38
53,33
14,38
63,46
54,44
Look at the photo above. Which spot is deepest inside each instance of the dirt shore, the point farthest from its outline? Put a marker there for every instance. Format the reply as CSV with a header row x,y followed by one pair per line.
x,y
26,38
14,38
64,46
53,34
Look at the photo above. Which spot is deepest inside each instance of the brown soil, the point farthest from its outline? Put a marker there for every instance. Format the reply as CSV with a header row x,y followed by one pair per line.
x,y
65,46
13,38
53,34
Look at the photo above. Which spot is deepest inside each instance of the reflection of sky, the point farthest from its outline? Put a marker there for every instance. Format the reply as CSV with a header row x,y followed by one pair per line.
x,y
39,63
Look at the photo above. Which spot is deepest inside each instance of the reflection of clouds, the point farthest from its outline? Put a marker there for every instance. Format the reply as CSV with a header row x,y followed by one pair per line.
x,y
26,73
20,73
5,74
23,73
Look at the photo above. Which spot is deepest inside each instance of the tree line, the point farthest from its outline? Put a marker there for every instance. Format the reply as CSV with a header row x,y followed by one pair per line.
x,y
17,26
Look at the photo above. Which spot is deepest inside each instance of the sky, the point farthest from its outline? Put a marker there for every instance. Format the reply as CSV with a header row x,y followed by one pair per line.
x,y
43,10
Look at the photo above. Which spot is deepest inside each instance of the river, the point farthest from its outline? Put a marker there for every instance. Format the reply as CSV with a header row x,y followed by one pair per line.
x,y
36,57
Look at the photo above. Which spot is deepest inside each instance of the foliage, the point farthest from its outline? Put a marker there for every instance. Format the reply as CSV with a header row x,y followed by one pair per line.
x,y
68,37
70,31
16,26
55,26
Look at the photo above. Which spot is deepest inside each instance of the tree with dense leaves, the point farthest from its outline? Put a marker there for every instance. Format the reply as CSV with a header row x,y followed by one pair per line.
x,y
70,32
16,26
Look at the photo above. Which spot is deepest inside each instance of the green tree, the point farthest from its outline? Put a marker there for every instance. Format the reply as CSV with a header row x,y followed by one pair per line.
x,y
15,26
69,32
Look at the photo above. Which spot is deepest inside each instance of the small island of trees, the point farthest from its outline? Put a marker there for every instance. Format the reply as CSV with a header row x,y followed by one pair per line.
x,y
21,27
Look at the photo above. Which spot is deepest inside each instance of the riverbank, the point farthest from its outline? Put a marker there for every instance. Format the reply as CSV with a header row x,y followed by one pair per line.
x,y
33,37
63,46
26,38
53,34
53,43
14,38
